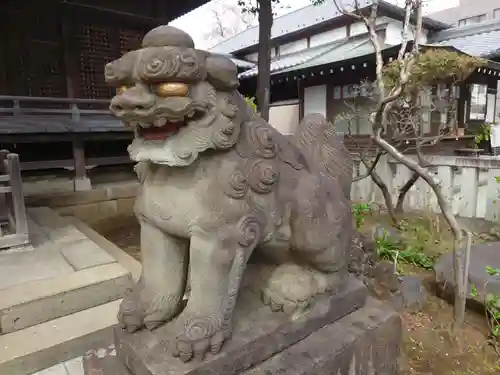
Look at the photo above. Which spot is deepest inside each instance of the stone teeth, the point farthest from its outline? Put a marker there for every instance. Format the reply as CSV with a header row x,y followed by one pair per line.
x,y
161,122
190,114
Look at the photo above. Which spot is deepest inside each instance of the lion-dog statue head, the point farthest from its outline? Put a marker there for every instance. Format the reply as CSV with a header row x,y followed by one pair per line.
x,y
178,100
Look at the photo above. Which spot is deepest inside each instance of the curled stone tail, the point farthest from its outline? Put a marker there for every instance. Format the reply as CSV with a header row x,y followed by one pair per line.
x,y
317,139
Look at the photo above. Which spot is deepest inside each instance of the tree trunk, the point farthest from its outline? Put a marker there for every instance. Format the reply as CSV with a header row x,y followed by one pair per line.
x,y
458,257
387,197
264,63
383,188
404,190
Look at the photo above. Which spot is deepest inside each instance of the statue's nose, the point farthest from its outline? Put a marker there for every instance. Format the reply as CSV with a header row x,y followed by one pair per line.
x,y
135,98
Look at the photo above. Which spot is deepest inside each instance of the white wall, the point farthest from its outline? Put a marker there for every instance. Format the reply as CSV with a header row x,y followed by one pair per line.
x,y
468,183
284,117
328,36
394,33
296,46
315,100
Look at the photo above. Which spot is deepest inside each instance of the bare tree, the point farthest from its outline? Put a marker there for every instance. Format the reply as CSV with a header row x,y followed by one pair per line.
x,y
407,125
264,10
391,88
228,19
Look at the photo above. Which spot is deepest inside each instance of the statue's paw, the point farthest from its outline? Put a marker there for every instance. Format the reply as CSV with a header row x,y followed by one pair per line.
x,y
138,310
130,315
290,289
199,335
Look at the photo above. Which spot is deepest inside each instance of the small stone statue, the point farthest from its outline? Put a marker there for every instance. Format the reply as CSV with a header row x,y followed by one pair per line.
x,y
217,183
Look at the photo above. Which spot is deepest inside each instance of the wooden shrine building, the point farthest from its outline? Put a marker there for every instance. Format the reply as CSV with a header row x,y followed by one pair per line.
x,y
319,58
53,98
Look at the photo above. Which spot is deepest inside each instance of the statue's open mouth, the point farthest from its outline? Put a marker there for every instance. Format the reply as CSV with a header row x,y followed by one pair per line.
x,y
154,133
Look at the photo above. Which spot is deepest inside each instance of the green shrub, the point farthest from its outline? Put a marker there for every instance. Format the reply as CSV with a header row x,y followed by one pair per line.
x,y
360,211
251,102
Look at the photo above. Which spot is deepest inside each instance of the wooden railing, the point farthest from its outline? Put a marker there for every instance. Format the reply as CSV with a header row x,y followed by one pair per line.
x,y
26,118
72,106
13,222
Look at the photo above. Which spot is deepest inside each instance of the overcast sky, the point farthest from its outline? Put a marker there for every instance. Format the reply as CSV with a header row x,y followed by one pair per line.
x,y
203,22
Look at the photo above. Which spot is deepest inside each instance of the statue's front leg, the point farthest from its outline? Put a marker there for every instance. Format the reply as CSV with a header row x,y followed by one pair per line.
x,y
217,263
156,298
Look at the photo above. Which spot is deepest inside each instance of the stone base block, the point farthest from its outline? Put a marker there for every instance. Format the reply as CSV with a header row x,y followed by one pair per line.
x,y
365,342
258,335
82,184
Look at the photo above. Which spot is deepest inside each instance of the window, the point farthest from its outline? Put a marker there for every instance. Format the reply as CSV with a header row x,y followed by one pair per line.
x,y
496,14
478,99
472,20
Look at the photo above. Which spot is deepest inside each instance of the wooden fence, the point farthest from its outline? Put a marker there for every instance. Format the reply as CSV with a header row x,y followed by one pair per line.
x,y
13,221
469,183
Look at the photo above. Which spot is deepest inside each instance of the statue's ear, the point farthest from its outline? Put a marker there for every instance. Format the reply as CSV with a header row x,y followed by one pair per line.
x,y
222,73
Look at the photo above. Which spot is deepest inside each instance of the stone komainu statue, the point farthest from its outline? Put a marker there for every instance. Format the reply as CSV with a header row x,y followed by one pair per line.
x,y
217,183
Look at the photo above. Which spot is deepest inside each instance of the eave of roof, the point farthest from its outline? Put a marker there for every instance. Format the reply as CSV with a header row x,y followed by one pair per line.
x,y
344,49
309,17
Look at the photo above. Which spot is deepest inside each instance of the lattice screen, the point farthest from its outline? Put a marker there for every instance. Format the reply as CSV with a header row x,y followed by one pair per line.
x,y
97,47
34,59
130,40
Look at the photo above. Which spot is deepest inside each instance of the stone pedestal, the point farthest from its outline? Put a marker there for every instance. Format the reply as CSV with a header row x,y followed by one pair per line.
x,y
342,334
365,342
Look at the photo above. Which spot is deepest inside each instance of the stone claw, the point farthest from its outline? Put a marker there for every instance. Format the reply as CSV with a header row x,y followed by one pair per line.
x,y
137,311
199,337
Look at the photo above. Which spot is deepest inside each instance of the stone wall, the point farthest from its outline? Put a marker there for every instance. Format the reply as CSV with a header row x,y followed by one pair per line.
x,y
91,206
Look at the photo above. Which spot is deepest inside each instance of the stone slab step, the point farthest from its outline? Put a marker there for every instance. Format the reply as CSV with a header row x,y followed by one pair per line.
x,y
45,345
78,250
118,254
30,303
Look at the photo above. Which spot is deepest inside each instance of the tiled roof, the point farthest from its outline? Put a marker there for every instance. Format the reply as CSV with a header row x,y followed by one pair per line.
x,y
332,52
292,59
476,40
302,19
238,62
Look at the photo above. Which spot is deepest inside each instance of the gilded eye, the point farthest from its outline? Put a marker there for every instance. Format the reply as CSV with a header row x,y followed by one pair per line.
x,y
121,89
172,89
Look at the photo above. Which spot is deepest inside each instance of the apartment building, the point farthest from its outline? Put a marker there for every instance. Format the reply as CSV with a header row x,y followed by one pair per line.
x,y
469,12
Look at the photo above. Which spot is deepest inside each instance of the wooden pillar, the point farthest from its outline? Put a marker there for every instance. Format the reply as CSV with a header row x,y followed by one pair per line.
x,y
462,106
300,90
81,181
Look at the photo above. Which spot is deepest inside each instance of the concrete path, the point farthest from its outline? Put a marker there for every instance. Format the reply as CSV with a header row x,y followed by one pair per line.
x,y
72,367
102,361
60,297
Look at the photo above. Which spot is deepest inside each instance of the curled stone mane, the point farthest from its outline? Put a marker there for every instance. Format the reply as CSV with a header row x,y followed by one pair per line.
x,y
260,148
218,129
